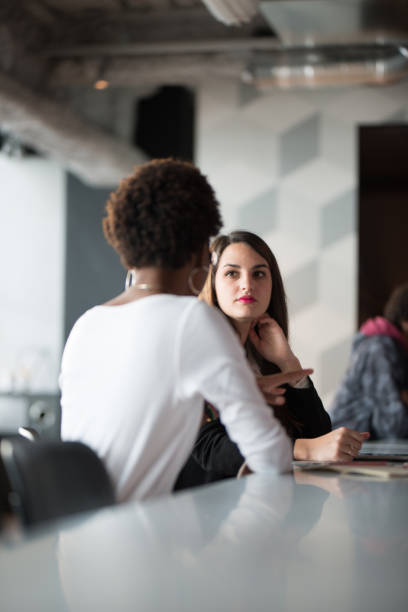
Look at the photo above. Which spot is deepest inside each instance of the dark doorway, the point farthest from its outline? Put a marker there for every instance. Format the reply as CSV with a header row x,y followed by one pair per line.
x,y
383,215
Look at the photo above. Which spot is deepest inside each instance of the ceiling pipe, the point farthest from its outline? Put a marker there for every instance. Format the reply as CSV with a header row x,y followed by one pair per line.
x,y
192,47
325,66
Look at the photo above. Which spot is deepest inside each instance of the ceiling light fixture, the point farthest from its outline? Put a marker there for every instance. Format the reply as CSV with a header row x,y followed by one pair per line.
x,y
101,84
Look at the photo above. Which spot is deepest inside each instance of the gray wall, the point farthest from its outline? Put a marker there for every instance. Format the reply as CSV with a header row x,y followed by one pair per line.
x,y
93,272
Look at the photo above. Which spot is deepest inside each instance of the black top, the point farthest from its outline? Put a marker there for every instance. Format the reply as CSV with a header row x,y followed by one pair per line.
x,y
215,456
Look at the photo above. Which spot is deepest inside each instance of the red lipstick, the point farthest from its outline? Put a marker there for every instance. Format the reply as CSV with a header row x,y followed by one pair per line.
x,y
246,299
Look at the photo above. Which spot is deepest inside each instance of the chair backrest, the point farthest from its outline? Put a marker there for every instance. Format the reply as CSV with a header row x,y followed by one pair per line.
x,y
29,433
49,480
4,481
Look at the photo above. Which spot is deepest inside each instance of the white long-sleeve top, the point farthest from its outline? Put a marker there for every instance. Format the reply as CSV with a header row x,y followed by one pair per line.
x,y
133,381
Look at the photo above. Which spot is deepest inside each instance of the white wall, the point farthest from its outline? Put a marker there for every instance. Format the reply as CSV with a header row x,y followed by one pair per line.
x,y
284,166
31,270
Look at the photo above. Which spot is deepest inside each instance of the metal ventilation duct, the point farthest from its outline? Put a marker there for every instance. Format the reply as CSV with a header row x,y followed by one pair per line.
x,y
333,42
314,22
324,66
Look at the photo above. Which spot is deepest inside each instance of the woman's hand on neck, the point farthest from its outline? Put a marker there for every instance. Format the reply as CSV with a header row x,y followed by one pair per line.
x,y
270,341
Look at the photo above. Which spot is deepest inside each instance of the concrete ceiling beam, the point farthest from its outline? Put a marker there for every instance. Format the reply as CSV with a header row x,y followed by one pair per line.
x,y
55,130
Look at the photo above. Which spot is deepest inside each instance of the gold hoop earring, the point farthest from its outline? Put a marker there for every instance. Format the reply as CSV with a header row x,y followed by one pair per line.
x,y
191,276
130,279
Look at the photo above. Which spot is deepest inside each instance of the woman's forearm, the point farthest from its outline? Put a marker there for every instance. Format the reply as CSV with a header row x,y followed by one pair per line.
x,y
342,444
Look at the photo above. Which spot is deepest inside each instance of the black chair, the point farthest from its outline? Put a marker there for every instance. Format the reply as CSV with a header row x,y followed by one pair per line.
x,y
4,481
29,433
49,480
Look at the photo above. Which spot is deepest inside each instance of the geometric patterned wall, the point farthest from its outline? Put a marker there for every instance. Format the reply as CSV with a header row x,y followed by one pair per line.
x,y
283,164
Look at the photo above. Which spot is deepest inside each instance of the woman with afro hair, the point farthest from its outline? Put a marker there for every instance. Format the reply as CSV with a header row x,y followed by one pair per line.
x,y
136,370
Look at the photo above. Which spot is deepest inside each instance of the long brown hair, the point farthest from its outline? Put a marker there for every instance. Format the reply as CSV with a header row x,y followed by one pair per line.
x,y
277,308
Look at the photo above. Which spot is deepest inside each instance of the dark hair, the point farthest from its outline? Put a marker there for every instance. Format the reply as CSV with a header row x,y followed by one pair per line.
x,y
277,307
396,308
161,215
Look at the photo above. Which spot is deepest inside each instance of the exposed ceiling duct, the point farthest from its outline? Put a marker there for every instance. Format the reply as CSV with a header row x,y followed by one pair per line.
x,y
325,42
329,43
324,66
334,22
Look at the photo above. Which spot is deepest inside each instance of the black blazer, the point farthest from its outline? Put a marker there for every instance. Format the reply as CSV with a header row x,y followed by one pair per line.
x,y
215,456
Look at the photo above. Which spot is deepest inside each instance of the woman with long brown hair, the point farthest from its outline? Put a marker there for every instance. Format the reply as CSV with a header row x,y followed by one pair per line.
x,y
245,283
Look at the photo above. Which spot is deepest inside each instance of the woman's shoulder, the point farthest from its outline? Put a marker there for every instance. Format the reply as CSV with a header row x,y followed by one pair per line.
x,y
211,318
146,304
160,307
198,309
378,356
208,326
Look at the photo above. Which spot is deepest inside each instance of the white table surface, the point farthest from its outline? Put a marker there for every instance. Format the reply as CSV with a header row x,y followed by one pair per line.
x,y
263,543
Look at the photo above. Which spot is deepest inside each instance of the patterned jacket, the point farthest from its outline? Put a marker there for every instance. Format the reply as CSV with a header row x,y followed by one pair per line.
x,y
369,397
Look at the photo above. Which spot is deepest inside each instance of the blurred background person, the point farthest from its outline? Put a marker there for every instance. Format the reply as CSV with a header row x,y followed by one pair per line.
x,y
374,392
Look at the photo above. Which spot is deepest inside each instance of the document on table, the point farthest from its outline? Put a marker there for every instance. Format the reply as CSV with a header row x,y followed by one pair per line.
x,y
376,469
